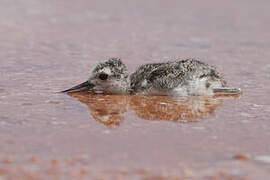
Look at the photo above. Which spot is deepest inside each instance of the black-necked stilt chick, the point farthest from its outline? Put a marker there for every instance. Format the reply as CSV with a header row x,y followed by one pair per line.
x,y
176,78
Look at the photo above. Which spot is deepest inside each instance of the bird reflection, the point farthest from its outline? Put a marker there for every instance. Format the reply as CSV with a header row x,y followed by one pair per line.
x,y
169,109
110,110
106,109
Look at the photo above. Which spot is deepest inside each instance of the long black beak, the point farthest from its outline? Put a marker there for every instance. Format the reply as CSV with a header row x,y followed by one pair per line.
x,y
85,86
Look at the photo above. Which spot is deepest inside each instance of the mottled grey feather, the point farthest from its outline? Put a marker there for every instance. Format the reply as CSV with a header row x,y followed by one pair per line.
x,y
166,76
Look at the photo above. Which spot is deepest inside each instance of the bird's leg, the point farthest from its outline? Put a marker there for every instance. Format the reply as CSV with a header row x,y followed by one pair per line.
x,y
227,90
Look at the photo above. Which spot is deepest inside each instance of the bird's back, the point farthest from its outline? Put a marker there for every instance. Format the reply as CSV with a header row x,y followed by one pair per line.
x,y
180,77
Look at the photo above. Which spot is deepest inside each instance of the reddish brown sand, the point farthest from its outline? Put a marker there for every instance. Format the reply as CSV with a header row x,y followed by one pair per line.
x,y
48,46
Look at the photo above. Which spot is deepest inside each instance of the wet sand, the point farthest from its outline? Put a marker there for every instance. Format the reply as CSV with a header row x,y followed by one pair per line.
x,y
49,46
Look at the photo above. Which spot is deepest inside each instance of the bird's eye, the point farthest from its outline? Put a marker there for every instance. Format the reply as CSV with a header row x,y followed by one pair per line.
x,y
103,76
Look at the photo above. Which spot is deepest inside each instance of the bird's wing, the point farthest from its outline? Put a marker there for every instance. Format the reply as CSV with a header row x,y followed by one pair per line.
x,y
171,75
166,77
140,75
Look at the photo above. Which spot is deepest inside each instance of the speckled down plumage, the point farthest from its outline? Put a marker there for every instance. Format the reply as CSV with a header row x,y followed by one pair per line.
x,y
169,75
173,78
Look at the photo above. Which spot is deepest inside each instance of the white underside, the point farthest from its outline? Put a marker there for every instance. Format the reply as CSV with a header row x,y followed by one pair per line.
x,y
192,88
111,87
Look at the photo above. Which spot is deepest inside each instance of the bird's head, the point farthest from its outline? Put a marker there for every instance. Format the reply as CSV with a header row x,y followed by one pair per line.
x,y
109,77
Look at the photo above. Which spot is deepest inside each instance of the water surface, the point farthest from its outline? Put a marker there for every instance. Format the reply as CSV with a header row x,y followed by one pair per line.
x,y
48,46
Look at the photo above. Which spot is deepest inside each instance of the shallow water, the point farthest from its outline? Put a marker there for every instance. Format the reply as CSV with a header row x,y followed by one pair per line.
x,y
48,46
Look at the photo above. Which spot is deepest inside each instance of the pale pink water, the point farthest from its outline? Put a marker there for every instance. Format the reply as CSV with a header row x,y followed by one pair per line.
x,y
48,46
